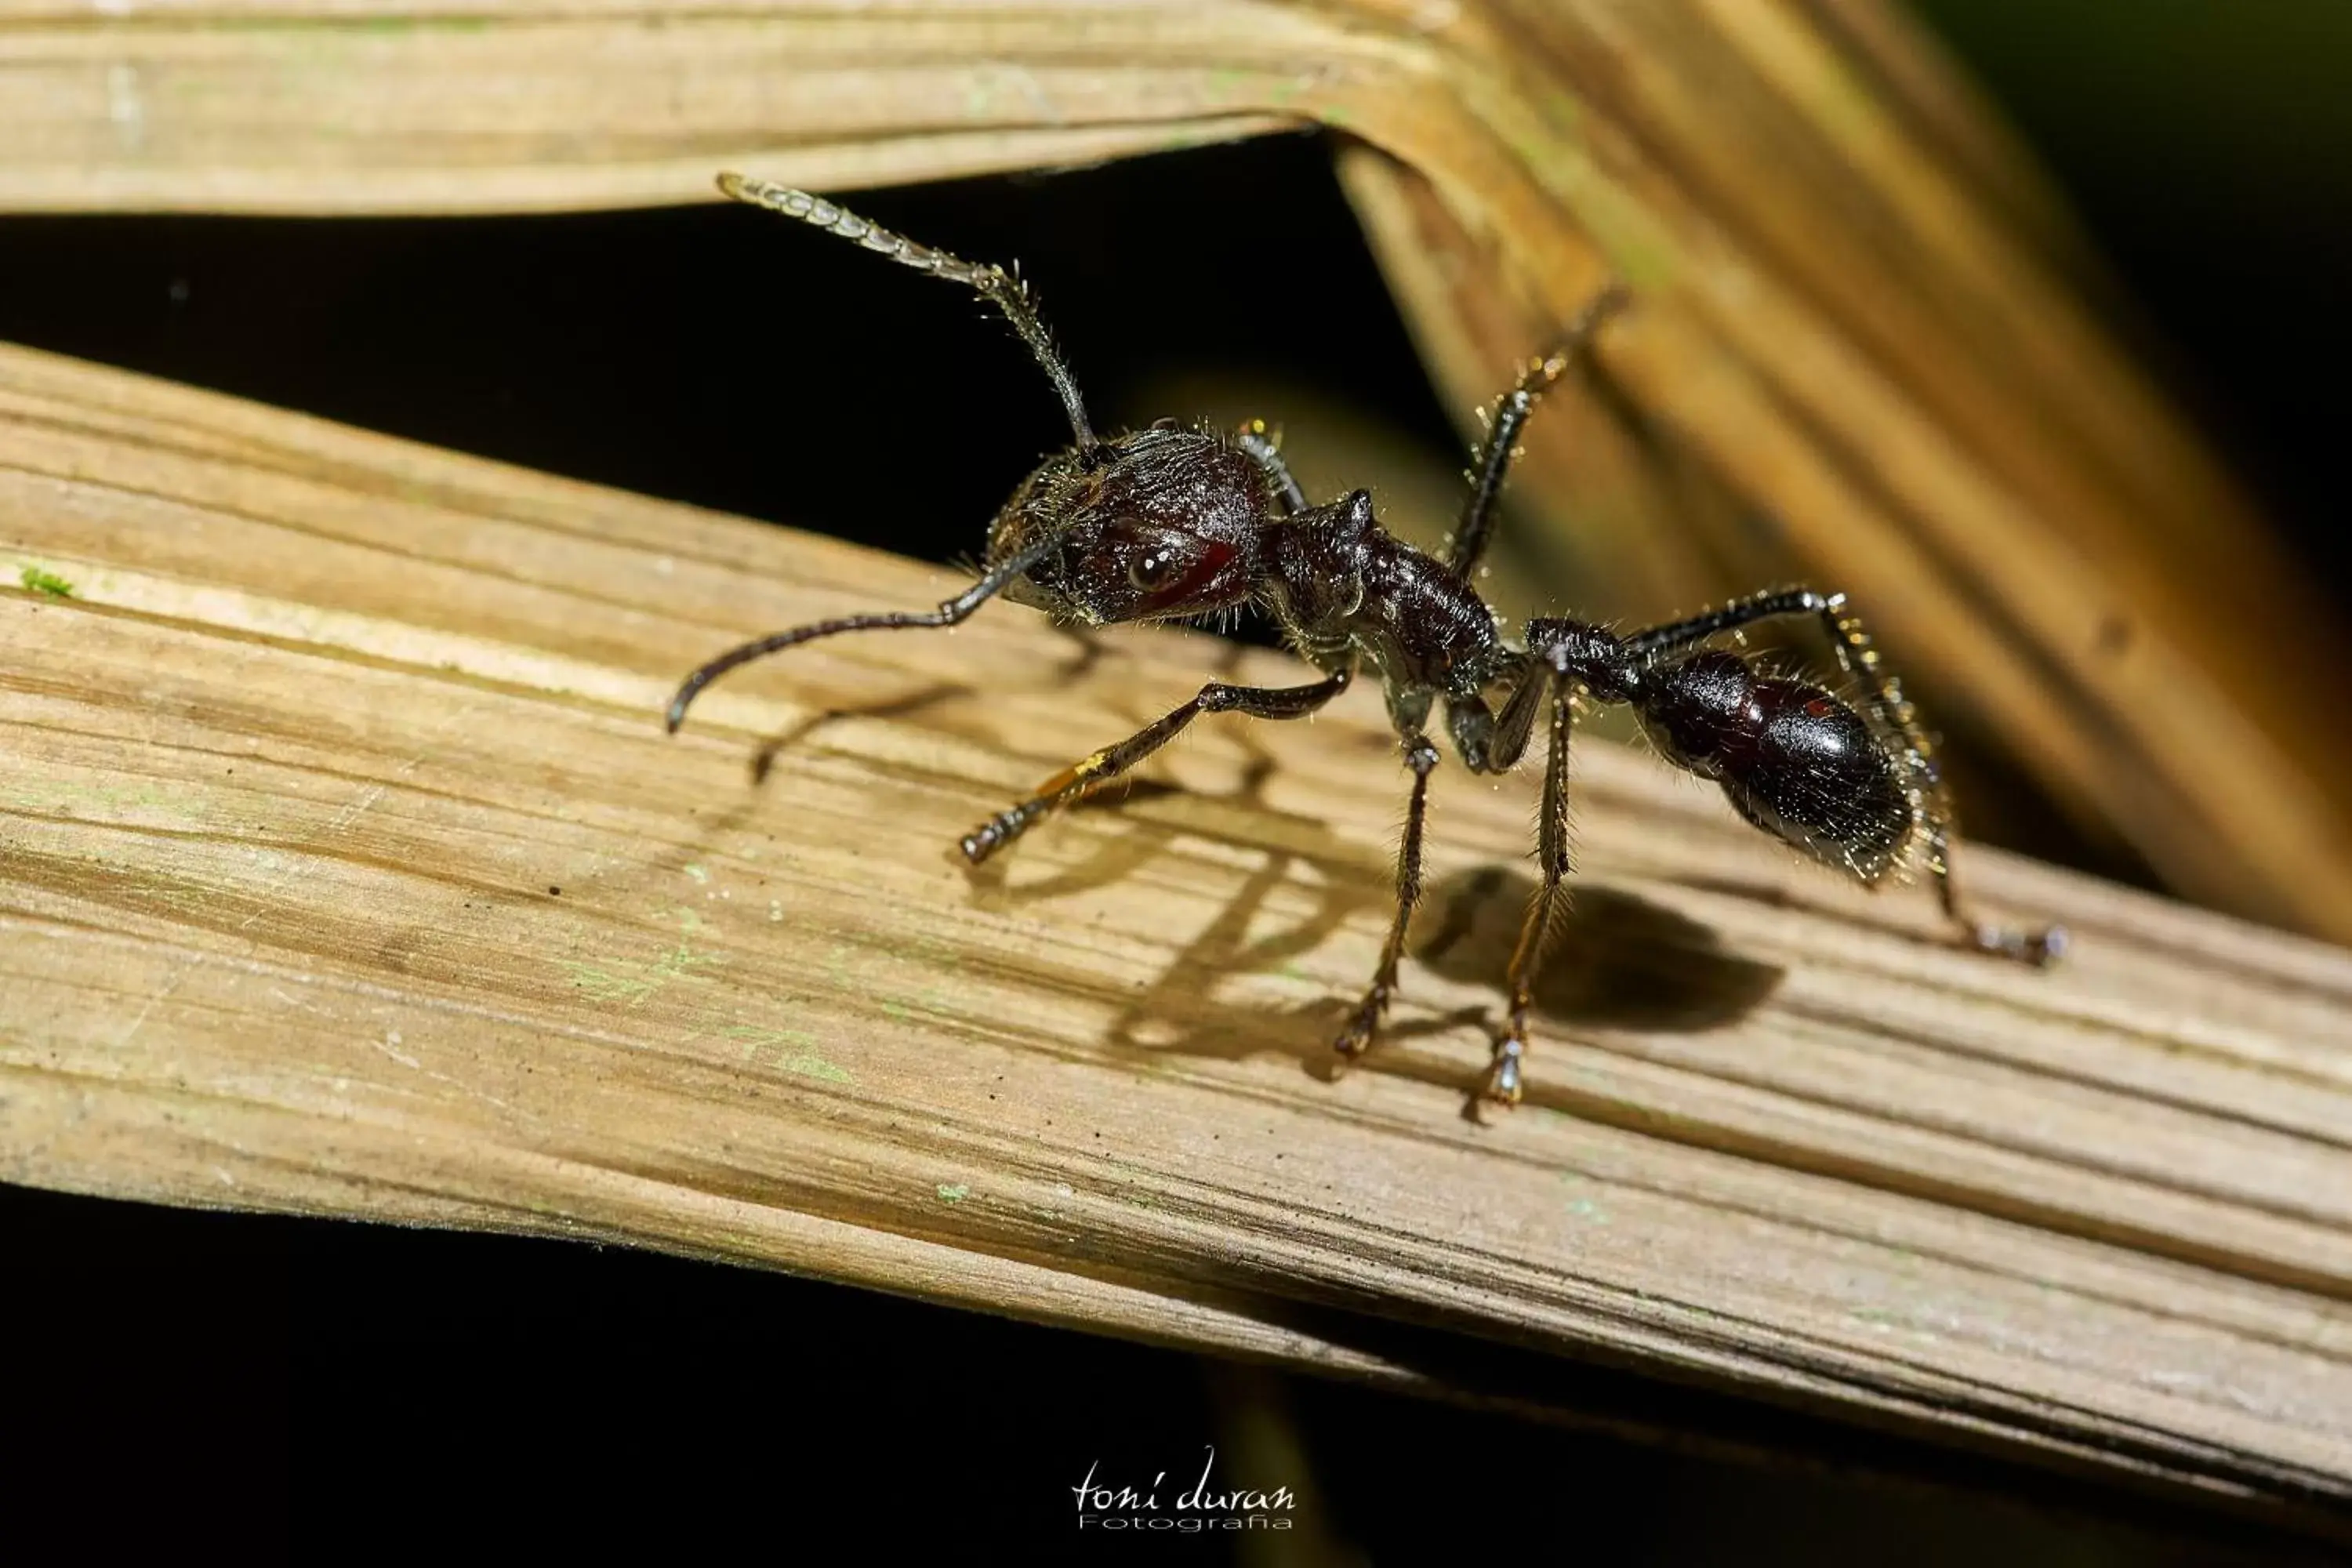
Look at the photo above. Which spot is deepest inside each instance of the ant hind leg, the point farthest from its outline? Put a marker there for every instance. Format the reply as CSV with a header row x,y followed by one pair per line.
x,y
2040,947
1503,1085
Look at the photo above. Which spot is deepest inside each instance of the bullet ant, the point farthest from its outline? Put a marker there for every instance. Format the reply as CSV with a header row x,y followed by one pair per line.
x,y
1179,521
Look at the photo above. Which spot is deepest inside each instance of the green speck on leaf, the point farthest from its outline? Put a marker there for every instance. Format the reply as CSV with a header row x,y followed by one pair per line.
x,y
795,1052
603,985
699,872
629,982
954,1195
48,583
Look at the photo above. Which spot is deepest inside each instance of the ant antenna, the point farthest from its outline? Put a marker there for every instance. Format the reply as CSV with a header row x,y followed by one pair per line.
x,y
1003,289
950,613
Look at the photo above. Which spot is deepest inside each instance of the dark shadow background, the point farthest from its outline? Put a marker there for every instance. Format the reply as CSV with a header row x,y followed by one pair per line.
x,y
271,1386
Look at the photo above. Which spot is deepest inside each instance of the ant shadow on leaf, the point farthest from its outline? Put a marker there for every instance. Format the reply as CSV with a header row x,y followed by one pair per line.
x,y
741,809
905,705
744,807
1183,1010
1085,651
1180,1011
1614,961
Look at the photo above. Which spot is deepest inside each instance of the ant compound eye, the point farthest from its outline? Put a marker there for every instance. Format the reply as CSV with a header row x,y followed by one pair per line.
x,y
1151,570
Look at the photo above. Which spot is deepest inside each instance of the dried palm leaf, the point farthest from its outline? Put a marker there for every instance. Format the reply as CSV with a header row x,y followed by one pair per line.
x,y
1858,318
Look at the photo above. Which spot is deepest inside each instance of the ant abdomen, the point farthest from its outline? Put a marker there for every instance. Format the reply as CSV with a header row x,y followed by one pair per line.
x,y
1794,758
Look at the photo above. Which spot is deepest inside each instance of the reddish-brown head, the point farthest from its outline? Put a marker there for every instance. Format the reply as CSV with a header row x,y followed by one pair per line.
x,y
1161,524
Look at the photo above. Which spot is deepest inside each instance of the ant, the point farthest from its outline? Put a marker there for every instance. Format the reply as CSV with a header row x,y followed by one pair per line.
x,y
1179,521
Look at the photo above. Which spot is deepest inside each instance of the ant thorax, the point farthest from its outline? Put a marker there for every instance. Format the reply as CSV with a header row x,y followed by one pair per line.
x,y
1338,583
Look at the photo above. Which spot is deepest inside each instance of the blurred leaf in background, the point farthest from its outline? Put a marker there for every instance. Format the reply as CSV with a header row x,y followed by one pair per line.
x,y
2207,146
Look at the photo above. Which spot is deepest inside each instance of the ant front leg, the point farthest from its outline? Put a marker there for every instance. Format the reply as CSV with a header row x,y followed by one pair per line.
x,y
1504,424
1894,716
1503,1084
1263,443
1081,777
1357,1037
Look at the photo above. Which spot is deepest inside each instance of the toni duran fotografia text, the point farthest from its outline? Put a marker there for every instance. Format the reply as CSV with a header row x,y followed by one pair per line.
x,y
1187,1507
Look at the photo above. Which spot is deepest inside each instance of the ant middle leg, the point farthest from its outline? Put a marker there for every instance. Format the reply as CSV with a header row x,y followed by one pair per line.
x,y
1082,777
1356,1036
1503,1085
1895,717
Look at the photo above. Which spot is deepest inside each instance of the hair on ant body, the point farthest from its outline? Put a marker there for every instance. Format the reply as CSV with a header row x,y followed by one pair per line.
x,y
1175,522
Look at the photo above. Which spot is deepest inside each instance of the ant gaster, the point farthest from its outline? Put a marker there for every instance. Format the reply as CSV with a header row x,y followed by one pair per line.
x,y
1177,521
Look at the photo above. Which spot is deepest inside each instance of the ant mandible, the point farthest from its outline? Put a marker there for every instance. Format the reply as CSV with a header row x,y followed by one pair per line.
x,y
1180,521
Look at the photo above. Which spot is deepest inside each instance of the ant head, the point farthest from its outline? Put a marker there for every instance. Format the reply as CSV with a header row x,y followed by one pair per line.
x,y
1158,524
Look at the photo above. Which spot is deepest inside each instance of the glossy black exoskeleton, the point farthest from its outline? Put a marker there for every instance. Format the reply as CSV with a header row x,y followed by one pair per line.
x,y
1177,521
